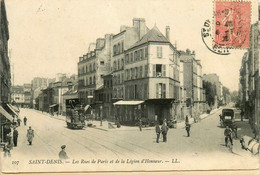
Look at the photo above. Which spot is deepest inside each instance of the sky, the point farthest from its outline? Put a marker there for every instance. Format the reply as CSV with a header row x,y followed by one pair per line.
x,y
49,36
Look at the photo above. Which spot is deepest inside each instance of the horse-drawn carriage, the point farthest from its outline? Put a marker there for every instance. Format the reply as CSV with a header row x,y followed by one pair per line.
x,y
227,117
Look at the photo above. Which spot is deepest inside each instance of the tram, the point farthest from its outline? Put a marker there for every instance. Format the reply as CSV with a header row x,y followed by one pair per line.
x,y
75,117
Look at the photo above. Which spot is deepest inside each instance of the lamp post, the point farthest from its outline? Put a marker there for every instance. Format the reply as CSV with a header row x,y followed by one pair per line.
x,y
101,113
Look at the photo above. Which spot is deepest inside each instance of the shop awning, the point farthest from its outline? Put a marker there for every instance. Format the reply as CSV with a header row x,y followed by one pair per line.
x,y
6,114
15,108
51,106
12,109
122,102
86,107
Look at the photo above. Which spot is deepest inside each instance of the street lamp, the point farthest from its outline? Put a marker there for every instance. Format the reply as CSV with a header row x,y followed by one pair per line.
x,y
101,113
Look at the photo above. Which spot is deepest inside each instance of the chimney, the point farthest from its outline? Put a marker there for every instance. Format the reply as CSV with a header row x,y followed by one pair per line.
x,y
167,32
139,24
188,51
91,47
100,43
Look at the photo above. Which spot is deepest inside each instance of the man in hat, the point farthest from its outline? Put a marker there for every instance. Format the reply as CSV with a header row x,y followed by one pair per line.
x,y
24,120
15,137
30,135
62,153
164,130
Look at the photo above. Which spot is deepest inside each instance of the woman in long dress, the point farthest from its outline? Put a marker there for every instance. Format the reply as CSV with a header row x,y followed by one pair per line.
x,y
30,135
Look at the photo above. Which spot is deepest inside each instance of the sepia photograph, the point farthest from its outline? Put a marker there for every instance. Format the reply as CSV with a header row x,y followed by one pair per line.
x,y
124,86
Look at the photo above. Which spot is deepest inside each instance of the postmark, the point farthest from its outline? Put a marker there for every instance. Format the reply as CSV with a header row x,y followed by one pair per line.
x,y
232,24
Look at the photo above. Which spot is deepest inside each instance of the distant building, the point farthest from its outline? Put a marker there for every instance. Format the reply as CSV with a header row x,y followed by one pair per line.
x,y
192,81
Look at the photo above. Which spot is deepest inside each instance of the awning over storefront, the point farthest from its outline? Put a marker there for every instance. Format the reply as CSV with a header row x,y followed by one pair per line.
x,y
122,102
86,107
12,109
51,106
15,108
6,114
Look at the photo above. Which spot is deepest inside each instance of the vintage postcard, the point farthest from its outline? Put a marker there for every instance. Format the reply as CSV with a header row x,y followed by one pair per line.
x,y
126,86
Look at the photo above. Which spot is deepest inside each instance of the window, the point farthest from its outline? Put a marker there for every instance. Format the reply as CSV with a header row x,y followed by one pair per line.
x,y
126,73
122,63
145,91
131,57
94,79
118,65
86,69
159,51
141,54
90,80
129,74
159,70
90,68
122,77
138,55
122,45
118,79
135,92
114,65
146,52
114,50
94,66
160,90
136,72
86,81
126,58
146,71
135,55
132,73
102,63
118,48
141,72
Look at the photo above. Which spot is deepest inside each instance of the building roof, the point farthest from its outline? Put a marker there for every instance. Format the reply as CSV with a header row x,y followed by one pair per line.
x,y
153,35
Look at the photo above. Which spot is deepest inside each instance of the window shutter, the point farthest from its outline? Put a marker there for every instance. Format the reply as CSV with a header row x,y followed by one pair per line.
x,y
146,52
163,90
154,70
163,70
157,90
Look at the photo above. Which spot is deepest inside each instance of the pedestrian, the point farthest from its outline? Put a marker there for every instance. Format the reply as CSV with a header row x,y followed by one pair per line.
x,y
8,146
228,135
242,115
140,124
24,120
186,120
158,131
19,121
62,153
15,137
188,129
30,135
164,131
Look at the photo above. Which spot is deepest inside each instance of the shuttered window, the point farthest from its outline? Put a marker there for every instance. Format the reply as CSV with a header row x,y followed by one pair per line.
x,y
163,70
141,72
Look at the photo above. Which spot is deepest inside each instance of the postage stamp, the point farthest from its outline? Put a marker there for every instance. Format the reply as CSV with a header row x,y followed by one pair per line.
x,y
232,24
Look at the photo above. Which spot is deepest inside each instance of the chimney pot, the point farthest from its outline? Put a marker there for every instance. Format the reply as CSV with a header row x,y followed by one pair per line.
x,y
167,32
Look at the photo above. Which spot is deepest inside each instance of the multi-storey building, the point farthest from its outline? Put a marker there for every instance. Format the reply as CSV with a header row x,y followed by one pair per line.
x,y
250,80
92,67
192,72
17,95
244,85
151,79
5,74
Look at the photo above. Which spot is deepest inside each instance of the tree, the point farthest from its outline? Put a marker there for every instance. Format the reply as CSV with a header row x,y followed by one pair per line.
x,y
210,91
226,93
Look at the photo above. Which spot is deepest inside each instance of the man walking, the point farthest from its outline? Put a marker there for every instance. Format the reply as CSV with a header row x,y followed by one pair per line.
x,y
158,131
19,121
140,124
62,153
188,129
15,137
24,120
30,135
164,131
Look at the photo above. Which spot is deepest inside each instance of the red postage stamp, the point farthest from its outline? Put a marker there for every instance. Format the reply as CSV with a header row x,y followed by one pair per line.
x,y
232,24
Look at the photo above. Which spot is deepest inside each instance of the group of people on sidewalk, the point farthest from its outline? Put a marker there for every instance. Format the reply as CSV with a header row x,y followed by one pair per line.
x,y
11,138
